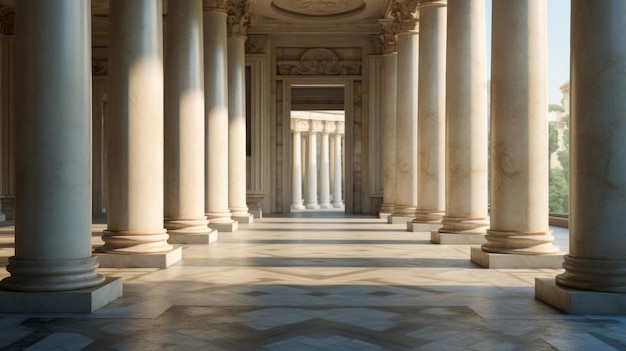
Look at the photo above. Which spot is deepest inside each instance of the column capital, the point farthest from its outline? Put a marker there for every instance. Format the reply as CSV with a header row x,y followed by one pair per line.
x,y
214,5
341,128
300,125
405,15
317,126
330,126
388,35
435,3
7,21
239,18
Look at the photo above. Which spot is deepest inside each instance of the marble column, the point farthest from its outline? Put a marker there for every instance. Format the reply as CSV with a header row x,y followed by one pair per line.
x,y
406,117
216,117
338,165
310,202
389,39
238,21
184,126
53,255
135,236
297,127
466,217
331,165
431,116
593,281
519,141
329,127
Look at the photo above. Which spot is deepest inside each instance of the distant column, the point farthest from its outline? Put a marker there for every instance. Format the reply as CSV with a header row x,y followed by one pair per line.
x,y
593,282
466,216
184,126
311,179
216,110
238,21
431,117
324,165
406,118
135,233
296,180
389,39
519,141
337,185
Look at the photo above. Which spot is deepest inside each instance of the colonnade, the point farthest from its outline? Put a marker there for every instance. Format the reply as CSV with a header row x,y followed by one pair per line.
x,y
304,164
172,129
441,110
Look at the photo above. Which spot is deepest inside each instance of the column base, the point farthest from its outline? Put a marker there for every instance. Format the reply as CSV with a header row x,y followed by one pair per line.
x,y
312,206
384,215
497,261
338,205
437,237
147,260
227,227
574,301
422,227
244,219
326,206
256,212
70,301
399,219
297,206
205,238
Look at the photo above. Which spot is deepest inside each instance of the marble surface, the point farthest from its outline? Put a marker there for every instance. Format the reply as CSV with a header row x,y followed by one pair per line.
x,y
318,281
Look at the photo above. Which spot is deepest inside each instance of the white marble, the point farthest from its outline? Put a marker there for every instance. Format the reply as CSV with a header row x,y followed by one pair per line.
x,y
216,117
431,113
184,126
406,125
389,119
53,140
519,131
296,172
135,131
499,261
310,201
324,190
576,301
337,170
466,120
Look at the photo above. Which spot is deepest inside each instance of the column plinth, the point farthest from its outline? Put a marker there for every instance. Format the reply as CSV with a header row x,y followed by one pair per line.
x,y
519,135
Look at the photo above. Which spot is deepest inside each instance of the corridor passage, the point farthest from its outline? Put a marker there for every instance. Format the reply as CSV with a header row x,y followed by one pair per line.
x,y
323,281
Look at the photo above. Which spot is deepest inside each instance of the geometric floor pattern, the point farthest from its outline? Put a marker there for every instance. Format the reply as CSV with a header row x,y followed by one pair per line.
x,y
318,282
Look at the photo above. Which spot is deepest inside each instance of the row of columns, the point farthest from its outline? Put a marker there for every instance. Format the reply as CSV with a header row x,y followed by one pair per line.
x,y
453,93
156,175
328,171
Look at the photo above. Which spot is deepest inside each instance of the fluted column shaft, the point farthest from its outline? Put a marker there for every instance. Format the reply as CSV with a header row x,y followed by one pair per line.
x,y
237,127
135,130
184,120
431,113
324,171
296,179
519,140
406,125
466,119
216,116
389,132
597,256
338,178
53,141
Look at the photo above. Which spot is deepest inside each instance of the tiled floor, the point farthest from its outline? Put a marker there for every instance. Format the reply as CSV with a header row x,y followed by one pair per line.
x,y
304,283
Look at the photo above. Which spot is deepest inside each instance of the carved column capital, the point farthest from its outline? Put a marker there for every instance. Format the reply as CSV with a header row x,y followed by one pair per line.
x,y
330,127
341,128
239,17
214,5
388,36
317,126
7,21
405,14
299,125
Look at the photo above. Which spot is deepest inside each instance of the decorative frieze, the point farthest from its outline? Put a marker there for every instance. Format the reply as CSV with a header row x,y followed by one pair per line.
x,y
319,61
239,18
404,13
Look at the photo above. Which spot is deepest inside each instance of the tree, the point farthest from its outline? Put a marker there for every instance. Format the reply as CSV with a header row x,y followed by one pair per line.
x,y
563,155
555,108
558,191
553,140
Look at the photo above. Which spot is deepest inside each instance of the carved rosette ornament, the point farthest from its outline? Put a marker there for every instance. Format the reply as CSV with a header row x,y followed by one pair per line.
x,y
239,18
388,36
214,5
404,13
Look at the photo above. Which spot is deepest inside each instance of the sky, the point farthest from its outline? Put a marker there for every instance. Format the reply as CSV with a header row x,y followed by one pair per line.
x,y
558,45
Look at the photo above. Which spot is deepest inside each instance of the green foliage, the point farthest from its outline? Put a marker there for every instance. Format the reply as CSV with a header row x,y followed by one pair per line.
x,y
558,191
555,107
553,135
